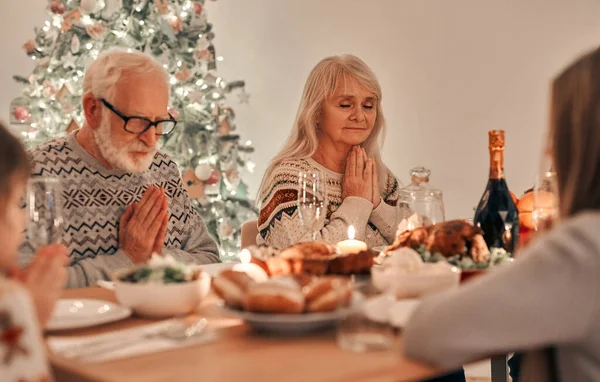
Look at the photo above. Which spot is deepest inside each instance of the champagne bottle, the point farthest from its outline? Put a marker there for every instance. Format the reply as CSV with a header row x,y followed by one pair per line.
x,y
497,214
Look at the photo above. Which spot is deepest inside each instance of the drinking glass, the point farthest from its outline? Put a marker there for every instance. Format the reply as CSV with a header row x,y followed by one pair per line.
x,y
45,212
365,326
312,201
545,201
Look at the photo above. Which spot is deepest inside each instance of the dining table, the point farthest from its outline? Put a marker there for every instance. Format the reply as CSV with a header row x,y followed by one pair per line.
x,y
237,354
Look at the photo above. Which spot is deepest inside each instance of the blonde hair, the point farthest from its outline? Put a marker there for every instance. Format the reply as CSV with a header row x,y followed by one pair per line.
x,y
321,83
575,134
103,75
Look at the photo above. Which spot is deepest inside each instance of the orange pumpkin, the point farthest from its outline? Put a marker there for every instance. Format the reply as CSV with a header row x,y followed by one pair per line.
x,y
525,207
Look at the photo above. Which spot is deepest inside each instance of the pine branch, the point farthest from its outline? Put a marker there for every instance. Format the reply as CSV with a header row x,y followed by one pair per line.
x,y
21,79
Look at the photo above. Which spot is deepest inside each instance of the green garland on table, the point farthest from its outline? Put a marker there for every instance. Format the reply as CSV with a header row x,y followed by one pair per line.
x,y
497,256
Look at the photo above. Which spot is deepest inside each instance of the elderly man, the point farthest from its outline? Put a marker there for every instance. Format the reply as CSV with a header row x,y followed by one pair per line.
x,y
122,199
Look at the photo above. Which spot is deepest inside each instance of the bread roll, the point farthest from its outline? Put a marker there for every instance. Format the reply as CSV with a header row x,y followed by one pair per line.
x,y
304,280
278,266
309,249
355,263
327,294
309,258
232,286
261,254
315,267
278,295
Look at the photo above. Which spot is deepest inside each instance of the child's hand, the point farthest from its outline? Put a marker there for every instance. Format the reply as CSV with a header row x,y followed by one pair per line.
x,y
45,279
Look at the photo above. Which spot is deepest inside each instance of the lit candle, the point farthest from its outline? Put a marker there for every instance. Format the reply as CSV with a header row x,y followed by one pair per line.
x,y
252,270
351,246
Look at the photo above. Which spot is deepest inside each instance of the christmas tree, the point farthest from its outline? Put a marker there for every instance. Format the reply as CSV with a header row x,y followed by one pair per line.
x,y
177,34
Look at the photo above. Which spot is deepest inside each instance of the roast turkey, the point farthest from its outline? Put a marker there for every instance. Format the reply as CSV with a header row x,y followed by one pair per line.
x,y
454,237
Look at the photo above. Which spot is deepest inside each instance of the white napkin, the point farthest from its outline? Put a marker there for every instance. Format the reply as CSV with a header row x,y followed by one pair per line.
x,y
384,309
137,346
110,285
401,311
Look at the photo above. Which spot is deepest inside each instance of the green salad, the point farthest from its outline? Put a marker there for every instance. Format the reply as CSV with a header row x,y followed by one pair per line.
x,y
497,256
159,269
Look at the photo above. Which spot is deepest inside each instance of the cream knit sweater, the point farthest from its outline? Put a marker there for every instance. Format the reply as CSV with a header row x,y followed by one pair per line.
x,y
279,224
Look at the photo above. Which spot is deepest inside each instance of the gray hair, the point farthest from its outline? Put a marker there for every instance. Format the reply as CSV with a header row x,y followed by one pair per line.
x,y
103,75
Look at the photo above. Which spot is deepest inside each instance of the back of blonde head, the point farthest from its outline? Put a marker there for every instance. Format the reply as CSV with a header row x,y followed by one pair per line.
x,y
323,80
575,134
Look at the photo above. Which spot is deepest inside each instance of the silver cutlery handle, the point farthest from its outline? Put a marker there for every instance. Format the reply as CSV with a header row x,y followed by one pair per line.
x,y
106,346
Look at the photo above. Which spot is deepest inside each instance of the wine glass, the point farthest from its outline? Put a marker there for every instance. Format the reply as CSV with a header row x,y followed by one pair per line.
x,y
545,201
312,201
45,212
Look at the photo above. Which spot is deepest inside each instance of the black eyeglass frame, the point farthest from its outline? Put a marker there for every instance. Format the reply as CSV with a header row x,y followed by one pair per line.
x,y
126,119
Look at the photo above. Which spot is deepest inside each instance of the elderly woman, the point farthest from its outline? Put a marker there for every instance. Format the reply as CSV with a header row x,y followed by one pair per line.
x,y
336,132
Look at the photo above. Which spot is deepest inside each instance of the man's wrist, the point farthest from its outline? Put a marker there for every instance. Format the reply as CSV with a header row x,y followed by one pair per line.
x,y
128,254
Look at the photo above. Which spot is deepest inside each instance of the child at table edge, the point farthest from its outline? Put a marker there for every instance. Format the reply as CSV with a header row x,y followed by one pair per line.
x,y
27,296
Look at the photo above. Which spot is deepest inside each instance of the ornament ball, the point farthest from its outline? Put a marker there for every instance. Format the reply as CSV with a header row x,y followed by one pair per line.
x,y
57,7
214,178
203,172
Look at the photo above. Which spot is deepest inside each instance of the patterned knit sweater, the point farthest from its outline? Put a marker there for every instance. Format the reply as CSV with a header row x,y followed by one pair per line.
x,y
22,350
94,198
279,224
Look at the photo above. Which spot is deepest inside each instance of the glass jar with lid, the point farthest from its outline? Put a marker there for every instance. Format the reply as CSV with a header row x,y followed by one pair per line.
x,y
419,203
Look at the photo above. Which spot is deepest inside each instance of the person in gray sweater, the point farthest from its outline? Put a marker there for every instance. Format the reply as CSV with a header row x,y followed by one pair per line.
x,y
549,298
122,199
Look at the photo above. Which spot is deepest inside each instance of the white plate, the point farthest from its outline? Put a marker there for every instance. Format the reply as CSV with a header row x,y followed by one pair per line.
x,y
290,323
82,313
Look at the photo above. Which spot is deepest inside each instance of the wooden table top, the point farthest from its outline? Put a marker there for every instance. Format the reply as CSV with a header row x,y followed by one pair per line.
x,y
238,354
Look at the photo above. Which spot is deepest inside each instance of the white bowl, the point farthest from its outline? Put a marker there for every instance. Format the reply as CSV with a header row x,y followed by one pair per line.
x,y
428,279
162,300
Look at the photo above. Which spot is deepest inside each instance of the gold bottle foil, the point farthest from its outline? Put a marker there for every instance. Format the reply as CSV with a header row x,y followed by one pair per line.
x,y
496,146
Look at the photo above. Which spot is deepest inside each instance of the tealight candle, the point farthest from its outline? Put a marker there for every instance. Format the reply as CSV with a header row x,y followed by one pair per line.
x,y
254,271
351,246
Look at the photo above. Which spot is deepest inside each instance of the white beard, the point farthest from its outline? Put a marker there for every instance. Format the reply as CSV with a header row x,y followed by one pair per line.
x,y
118,155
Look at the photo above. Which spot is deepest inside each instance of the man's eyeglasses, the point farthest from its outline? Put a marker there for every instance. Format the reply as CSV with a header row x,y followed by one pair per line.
x,y
139,125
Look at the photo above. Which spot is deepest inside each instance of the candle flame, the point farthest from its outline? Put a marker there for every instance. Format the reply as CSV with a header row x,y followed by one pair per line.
x,y
351,232
245,256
